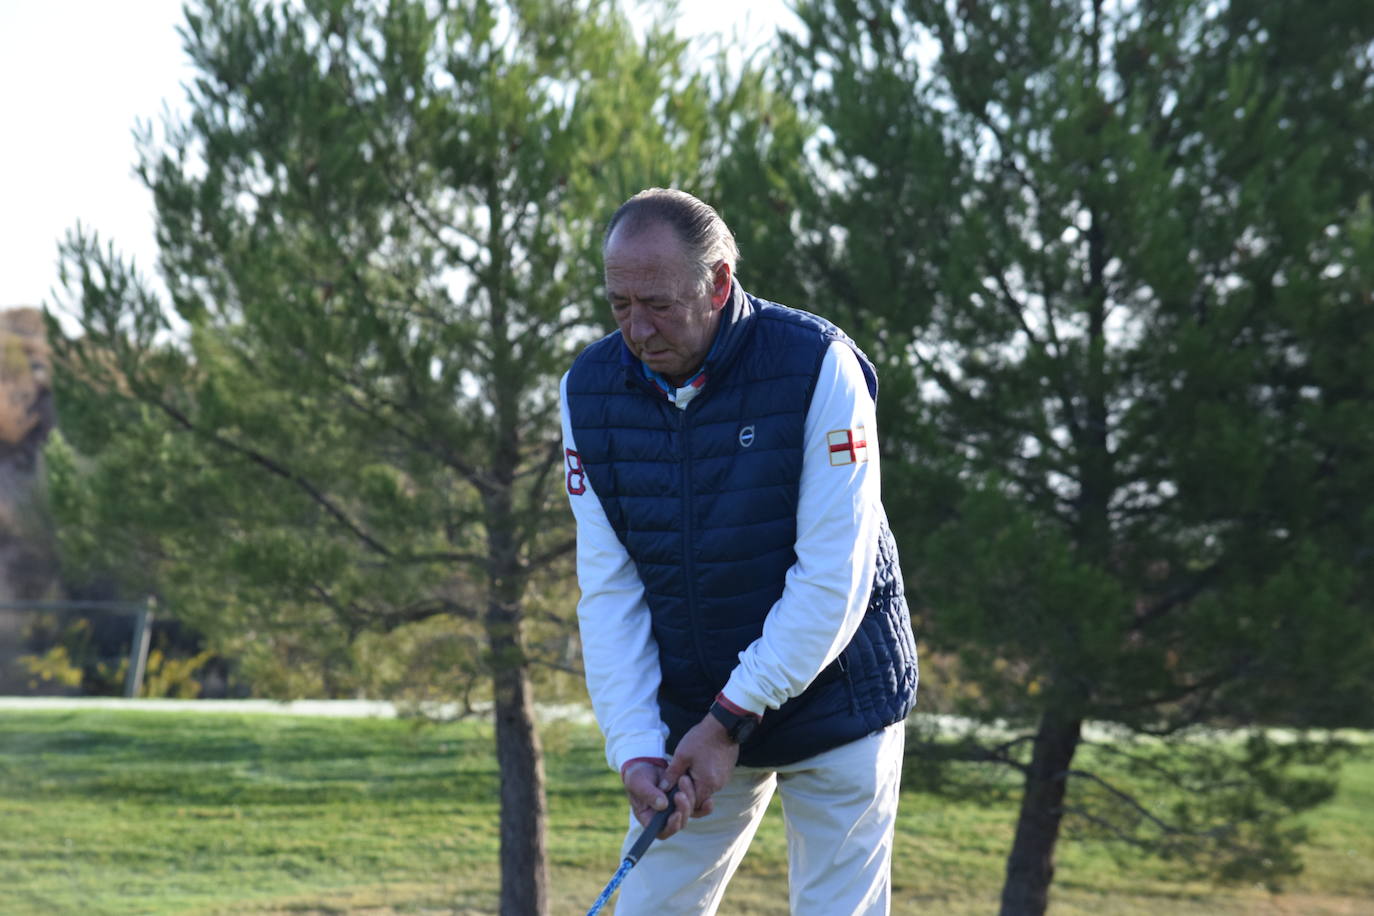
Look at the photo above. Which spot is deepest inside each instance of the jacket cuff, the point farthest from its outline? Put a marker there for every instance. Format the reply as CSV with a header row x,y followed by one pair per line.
x,y
657,761
736,696
736,708
624,748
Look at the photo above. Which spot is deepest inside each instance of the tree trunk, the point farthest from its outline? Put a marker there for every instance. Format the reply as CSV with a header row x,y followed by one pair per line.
x,y
1030,867
524,816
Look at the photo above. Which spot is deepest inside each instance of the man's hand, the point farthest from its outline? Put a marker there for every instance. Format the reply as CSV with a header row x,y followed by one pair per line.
x,y
646,784
707,757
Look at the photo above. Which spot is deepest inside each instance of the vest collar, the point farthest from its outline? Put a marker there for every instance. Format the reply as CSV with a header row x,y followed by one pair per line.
x,y
735,320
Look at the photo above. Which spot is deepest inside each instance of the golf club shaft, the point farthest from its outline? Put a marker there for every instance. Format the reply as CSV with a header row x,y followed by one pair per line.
x,y
641,844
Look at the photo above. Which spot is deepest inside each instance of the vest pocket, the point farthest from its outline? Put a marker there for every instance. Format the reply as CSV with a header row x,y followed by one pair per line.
x,y
843,663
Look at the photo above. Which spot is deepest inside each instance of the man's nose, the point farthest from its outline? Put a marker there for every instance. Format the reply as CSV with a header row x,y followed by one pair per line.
x,y
641,325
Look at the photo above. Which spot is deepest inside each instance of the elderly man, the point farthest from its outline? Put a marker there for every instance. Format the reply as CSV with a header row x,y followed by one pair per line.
x,y
742,615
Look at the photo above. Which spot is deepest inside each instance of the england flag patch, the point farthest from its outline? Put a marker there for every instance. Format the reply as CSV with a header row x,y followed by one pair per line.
x,y
847,446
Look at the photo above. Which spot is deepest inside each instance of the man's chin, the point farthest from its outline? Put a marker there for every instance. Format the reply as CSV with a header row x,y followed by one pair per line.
x,y
663,364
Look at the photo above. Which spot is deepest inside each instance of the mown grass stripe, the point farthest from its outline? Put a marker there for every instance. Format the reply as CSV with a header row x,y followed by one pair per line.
x,y
112,811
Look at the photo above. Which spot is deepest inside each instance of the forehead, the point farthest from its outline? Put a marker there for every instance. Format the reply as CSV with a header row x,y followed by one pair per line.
x,y
644,258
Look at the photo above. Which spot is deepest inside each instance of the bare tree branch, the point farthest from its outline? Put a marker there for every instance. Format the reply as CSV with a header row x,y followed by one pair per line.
x,y
277,469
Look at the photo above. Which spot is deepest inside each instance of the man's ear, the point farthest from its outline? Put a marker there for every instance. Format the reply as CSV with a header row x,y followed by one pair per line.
x,y
720,284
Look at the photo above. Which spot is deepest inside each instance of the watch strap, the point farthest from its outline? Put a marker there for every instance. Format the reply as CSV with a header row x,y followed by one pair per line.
x,y
739,724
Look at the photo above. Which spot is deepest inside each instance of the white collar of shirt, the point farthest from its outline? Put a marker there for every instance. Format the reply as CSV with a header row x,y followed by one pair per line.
x,y
682,395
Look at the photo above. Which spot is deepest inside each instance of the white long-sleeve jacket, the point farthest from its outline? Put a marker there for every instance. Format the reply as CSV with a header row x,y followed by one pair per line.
x,y
839,515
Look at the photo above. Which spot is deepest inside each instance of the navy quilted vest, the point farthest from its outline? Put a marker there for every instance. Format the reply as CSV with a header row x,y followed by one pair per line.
x,y
705,502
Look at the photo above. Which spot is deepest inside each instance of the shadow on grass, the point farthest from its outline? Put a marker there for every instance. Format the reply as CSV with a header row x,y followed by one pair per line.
x,y
180,760
230,760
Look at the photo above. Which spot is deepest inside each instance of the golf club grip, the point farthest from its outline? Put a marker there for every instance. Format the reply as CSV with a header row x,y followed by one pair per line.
x,y
653,830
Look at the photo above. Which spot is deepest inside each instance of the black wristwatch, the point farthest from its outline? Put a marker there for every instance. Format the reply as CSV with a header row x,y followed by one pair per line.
x,y
738,727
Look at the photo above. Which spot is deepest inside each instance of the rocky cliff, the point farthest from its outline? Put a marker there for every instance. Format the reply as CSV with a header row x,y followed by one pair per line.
x,y
28,570
26,412
26,419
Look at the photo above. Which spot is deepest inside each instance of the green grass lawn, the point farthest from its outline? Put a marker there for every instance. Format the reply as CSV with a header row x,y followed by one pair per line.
x,y
155,812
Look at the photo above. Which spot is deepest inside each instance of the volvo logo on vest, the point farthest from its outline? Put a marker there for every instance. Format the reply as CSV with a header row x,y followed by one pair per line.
x,y
746,436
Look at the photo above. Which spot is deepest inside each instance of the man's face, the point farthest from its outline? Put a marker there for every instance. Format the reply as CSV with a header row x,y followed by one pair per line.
x,y
657,299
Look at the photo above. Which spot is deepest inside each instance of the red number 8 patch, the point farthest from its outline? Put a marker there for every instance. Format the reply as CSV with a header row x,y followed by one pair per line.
x,y
577,477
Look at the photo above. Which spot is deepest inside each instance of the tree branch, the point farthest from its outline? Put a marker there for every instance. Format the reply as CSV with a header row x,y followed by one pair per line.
x,y
1178,597
360,617
1178,694
968,750
445,456
544,558
554,665
1130,802
277,469
1013,307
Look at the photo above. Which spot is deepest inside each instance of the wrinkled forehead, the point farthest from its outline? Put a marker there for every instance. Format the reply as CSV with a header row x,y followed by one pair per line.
x,y
647,280
647,259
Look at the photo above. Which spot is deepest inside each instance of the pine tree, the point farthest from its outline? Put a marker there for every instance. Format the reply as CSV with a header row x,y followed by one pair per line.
x,y
379,232
1114,258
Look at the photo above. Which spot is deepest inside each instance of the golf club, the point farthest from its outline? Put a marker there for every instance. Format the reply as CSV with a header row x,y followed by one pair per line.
x,y
633,856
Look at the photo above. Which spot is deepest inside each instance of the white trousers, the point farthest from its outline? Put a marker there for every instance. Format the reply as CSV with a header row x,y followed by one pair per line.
x,y
839,808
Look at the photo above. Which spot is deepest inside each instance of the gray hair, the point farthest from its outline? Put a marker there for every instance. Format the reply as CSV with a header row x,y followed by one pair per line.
x,y
700,227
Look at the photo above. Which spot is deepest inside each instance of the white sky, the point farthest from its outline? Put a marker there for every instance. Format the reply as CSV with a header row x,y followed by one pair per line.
x,y
75,77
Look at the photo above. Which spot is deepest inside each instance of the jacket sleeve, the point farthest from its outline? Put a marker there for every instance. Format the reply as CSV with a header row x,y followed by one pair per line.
x,y
839,516
619,654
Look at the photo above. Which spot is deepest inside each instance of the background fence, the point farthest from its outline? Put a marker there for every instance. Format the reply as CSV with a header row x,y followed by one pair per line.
x,y
141,611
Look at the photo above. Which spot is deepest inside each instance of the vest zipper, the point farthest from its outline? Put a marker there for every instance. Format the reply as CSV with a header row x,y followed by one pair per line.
x,y
688,567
